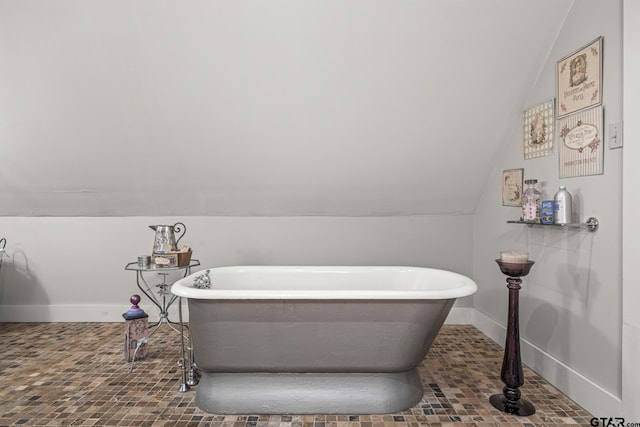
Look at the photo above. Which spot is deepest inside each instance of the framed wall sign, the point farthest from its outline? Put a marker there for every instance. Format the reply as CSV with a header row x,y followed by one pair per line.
x,y
512,187
580,144
537,130
579,79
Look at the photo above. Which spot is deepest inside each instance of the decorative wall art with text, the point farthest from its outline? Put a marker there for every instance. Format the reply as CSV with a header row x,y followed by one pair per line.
x,y
579,79
537,130
512,187
580,144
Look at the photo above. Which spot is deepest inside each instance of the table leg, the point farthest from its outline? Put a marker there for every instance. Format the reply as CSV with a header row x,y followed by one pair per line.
x,y
184,386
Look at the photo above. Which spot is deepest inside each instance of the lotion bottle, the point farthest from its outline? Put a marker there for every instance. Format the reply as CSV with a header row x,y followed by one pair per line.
x,y
531,201
562,212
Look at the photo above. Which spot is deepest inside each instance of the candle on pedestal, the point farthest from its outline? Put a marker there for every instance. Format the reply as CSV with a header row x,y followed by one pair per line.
x,y
514,257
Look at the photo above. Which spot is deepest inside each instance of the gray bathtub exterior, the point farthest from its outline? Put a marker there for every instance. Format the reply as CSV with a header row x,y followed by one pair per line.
x,y
312,356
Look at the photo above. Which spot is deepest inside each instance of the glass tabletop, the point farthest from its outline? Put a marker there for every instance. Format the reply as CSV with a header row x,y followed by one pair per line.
x,y
133,266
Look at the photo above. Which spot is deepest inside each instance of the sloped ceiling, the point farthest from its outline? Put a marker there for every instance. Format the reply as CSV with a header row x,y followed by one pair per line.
x,y
274,107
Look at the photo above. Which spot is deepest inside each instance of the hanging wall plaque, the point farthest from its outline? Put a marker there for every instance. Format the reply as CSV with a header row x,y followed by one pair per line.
x,y
580,144
579,79
537,130
512,187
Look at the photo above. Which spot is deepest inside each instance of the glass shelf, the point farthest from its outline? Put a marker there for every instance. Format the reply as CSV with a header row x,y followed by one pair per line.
x,y
591,224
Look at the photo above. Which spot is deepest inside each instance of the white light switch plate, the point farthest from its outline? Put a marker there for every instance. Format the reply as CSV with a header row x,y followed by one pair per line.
x,y
615,135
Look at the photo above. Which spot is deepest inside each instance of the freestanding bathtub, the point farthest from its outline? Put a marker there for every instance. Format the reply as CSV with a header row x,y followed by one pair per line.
x,y
315,340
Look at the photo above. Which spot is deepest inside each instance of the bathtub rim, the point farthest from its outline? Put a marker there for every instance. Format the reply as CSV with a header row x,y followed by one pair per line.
x,y
462,286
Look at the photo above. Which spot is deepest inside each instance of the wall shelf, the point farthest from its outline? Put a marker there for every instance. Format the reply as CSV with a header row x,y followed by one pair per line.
x,y
591,224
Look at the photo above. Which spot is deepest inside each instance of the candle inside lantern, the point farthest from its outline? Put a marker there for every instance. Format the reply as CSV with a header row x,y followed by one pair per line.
x,y
514,257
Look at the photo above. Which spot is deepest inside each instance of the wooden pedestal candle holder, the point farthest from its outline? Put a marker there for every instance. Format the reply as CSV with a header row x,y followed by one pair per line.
x,y
512,375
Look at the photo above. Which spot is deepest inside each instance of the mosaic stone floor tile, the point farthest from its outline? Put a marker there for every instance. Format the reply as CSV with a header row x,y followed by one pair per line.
x,y
64,374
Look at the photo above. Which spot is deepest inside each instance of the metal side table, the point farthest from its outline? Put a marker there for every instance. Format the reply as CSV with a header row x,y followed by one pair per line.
x,y
160,295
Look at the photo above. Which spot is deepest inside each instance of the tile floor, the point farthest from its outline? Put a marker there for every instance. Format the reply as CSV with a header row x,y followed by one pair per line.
x,y
75,374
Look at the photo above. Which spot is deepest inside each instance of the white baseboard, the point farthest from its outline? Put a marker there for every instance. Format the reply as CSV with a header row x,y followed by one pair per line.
x,y
79,313
460,316
593,398
631,377
113,313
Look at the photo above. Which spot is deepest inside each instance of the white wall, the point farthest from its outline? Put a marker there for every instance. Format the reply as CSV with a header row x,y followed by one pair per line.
x,y
631,212
571,302
72,269
247,107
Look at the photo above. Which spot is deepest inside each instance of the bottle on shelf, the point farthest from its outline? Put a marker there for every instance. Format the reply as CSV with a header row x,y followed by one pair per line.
x,y
531,201
562,206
